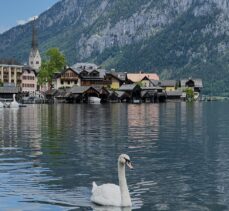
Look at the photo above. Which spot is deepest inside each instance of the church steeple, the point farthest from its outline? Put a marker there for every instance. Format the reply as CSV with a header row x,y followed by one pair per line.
x,y
34,37
34,56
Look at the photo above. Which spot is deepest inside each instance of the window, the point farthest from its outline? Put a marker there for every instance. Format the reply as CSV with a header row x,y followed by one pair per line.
x,y
31,62
37,62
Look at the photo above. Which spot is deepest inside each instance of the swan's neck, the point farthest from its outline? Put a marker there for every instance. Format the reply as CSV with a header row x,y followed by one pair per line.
x,y
125,195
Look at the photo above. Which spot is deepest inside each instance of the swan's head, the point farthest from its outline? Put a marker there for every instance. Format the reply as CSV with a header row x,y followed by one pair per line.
x,y
125,159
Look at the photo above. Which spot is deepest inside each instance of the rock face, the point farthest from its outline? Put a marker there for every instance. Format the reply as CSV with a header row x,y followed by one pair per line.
x,y
176,38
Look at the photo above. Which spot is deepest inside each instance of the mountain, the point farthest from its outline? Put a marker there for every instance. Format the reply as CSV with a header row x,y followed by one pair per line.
x,y
174,38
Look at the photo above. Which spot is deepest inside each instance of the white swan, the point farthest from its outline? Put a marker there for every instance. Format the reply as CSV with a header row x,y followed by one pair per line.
x,y
111,194
14,104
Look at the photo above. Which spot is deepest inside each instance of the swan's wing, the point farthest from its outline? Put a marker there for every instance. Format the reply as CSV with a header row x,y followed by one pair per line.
x,y
107,195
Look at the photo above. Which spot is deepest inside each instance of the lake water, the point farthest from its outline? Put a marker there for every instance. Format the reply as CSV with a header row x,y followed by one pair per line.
x,y
50,154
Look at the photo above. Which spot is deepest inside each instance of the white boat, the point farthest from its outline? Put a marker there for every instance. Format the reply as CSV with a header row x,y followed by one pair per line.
x,y
94,100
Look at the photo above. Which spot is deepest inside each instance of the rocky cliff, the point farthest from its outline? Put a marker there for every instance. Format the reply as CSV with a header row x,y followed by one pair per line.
x,y
175,38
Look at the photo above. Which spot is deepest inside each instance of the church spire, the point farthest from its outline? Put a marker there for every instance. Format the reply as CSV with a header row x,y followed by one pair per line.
x,y
34,37
34,56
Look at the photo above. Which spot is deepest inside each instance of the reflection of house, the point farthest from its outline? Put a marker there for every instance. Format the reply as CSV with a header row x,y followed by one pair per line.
x,y
168,85
28,80
195,84
66,78
11,74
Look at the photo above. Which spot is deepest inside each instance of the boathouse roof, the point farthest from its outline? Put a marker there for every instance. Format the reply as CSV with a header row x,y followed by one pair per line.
x,y
168,83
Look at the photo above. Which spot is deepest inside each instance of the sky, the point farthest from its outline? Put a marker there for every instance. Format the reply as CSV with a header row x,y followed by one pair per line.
x,y
14,12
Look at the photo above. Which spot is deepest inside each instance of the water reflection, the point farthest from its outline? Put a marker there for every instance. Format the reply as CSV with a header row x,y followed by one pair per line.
x,y
179,152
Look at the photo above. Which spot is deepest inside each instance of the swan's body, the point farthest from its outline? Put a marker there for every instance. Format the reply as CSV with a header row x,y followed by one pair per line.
x,y
111,194
14,104
1,105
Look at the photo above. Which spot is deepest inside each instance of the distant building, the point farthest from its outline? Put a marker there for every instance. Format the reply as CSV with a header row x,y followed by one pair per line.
x,y
195,84
66,78
34,56
11,74
91,75
168,85
142,77
28,80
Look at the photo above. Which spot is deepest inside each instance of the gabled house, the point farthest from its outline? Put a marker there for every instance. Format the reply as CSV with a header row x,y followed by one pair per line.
x,y
115,82
195,84
168,85
66,78
29,80
79,94
133,90
143,78
153,94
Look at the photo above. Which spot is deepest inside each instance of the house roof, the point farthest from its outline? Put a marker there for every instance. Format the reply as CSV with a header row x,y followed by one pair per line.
x,y
29,69
9,90
127,87
152,88
136,77
121,94
58,75
112,74
166,83
197,82
85,66
154,82
120,75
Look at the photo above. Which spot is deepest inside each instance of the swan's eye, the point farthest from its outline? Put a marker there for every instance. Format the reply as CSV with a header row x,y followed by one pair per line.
x,y
128,161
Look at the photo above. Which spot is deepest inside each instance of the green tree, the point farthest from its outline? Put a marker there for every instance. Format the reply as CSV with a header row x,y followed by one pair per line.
x,y
189,94
54,63
1,83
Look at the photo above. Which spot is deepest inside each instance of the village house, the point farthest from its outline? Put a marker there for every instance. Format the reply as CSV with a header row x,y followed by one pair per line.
x,y
28,80
67,78
133,90
195,84
153,94
144,79
168,85
91,75
115,81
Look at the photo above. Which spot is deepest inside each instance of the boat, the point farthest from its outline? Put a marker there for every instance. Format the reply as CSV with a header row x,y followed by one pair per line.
x,y
94,100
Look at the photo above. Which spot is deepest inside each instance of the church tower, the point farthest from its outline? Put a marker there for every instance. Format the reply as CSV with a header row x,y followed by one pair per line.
x,y
34,56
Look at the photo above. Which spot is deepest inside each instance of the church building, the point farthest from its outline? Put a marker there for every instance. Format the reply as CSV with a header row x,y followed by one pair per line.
x,y
34,56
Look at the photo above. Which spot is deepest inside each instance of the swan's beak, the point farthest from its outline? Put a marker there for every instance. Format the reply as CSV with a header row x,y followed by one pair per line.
x,y
129,165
